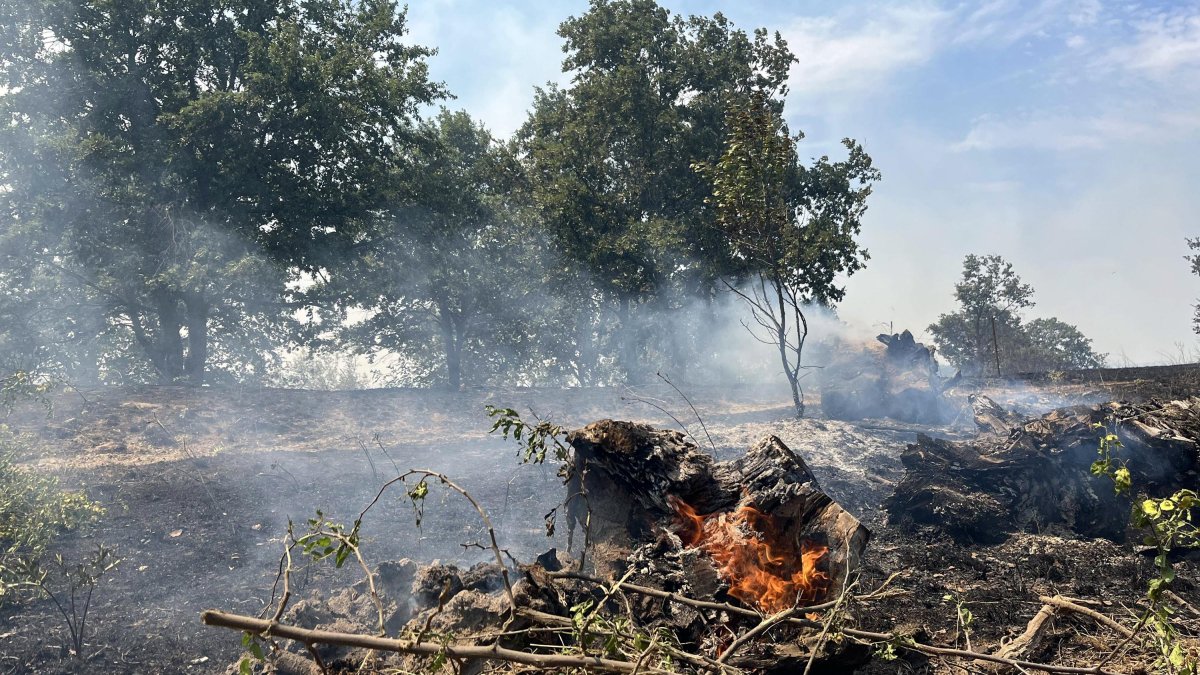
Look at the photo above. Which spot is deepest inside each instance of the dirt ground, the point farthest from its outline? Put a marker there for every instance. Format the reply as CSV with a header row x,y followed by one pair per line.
x,y
199,486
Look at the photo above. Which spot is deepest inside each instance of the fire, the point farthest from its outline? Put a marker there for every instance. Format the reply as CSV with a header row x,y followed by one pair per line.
x,y
761,570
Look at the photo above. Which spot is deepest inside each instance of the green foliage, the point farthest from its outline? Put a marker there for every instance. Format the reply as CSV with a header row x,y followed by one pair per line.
x,y
445,276
791,229
33,511
327,539
21,386
1168,523
70,587
963,615
174,164
609,157
987,334
536,440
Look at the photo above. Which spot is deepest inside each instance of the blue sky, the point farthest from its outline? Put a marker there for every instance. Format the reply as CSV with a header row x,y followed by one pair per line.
x,y
1063,136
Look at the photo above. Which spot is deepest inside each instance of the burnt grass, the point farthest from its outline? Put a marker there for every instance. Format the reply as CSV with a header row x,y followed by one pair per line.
x,y
199,486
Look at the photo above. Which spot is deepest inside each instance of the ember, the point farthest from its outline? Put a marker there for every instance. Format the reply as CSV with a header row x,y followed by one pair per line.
x,y
762,568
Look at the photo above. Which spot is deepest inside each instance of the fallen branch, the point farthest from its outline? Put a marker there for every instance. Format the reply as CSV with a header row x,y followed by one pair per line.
x,y
1025,643
697,660
1183,603
763,626
692,602
1063,603
311,637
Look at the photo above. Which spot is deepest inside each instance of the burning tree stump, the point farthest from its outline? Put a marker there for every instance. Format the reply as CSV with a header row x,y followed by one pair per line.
x,y
757,530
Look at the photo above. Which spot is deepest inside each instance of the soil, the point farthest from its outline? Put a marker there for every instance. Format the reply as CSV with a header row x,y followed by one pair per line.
x,y
200,484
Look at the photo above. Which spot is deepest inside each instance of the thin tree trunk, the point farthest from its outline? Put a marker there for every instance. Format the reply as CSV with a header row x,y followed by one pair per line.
x,y
450,347
781,334
628,338
585,347
995,345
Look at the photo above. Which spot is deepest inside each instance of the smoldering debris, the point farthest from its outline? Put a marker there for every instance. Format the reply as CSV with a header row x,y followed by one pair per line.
x,y
896,378
739,540
1022,474
745,565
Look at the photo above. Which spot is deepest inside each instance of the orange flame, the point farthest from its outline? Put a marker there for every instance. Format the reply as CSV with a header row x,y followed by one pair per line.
x,y
761,570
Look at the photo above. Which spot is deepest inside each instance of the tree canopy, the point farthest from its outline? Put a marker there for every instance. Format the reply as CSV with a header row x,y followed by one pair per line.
x,y
177,162
610,156
987,334
191,188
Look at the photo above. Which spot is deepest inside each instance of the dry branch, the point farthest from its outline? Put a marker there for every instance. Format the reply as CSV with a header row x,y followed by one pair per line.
x,y
1026,643
310,637
1063,603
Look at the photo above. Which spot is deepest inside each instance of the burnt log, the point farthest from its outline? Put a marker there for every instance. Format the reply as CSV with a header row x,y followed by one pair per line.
x,y
1037,476
756,531
632,474
899,380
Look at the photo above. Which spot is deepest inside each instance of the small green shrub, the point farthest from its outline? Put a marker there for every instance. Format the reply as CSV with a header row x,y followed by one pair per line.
x,y
1167,523
33,510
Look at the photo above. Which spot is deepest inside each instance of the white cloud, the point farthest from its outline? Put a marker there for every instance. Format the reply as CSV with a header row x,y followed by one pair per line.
x,y
1062,131
490,57
1003,22
1164,45
855,54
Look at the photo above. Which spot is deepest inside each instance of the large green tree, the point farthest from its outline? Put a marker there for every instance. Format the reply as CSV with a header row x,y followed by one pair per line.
x,y
609,156
987,334
792,229
181,161
448,278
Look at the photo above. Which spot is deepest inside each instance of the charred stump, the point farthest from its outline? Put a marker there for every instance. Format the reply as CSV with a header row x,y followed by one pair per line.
x,y
756,531
898,380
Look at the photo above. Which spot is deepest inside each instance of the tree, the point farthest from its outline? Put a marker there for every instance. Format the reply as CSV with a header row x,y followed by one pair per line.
x,y
990,296
1051,344
609,157
182,161
444,278
987,333
1194,244
791,229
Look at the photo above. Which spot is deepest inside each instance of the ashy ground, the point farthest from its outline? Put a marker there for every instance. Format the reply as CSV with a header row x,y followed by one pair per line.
x,y
200,484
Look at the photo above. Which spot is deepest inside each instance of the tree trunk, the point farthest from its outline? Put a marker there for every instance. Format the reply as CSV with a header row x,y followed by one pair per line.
x,y
450,346
197,328
168,345
585,347
628,341
781,340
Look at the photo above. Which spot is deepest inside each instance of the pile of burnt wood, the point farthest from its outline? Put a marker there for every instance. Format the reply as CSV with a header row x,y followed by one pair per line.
x,y
1033,475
